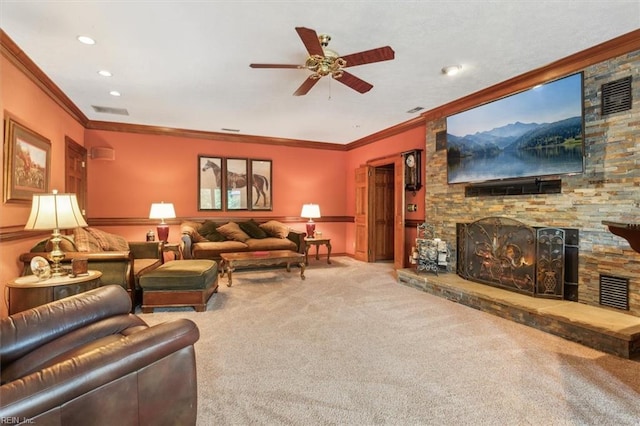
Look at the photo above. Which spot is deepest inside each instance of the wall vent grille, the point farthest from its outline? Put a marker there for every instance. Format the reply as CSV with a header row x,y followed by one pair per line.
x,y
616,96
614,292
109,110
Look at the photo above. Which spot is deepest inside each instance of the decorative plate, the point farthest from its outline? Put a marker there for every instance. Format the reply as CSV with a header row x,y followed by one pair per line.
x,y
40,267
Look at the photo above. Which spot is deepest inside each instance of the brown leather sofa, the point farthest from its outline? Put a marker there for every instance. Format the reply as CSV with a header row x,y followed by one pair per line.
x,y
86,360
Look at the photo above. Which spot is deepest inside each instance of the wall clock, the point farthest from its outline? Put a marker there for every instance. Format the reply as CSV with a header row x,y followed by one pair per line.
x,y
412,170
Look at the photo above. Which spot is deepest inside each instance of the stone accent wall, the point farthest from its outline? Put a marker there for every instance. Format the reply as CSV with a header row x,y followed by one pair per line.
x,y
609,189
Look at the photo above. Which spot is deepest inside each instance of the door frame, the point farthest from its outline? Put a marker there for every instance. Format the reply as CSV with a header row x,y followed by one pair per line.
x,y
398,206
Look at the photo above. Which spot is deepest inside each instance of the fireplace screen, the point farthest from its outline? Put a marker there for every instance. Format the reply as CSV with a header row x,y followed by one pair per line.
x,y
506,253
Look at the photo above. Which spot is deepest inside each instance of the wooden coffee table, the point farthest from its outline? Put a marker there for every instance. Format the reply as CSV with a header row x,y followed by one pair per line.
x,y
260,258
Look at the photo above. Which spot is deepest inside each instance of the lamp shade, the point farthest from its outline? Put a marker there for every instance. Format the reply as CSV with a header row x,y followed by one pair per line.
x,y
162,211
311,211
54,211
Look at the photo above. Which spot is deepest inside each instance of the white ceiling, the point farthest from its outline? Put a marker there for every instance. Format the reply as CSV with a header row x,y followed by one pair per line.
x,y
185,64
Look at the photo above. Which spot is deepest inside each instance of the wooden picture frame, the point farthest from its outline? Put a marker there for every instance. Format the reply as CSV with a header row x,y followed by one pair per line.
x,y
261,185
210,182
27,163
236,183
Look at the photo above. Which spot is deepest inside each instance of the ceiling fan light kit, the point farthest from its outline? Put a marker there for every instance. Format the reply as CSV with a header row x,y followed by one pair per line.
x,y
323,62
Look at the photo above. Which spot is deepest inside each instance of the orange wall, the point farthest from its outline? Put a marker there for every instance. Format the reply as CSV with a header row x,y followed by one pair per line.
x,y
31,107
149,168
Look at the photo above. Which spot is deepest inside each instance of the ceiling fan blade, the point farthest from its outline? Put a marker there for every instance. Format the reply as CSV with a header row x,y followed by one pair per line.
x,y
354,82
306,86
310,40
368,56
275,66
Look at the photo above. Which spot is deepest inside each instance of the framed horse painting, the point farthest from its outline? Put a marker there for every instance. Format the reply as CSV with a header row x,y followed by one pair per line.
x,y
236,183
27,163
209,183
260,181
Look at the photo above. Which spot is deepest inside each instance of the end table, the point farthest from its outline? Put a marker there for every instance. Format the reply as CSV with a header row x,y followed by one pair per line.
x,y
28,292
317,242
175,248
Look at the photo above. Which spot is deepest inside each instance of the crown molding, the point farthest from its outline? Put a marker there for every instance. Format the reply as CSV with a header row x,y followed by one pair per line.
x,y
10,50
199,134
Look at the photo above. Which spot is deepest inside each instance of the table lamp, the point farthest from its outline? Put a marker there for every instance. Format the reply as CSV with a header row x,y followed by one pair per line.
x,y
55,211
310,211
162,211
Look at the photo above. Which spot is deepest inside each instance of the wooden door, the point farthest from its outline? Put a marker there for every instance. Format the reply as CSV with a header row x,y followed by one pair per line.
x,y
364,175
76,172
384,214
398,205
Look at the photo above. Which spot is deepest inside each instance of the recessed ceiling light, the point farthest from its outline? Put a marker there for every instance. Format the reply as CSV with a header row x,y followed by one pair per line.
x,y
105,73
416,109
114,93
225,129
86,40
451,69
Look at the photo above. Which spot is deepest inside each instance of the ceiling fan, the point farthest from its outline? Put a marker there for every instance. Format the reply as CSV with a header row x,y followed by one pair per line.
x,y
323,61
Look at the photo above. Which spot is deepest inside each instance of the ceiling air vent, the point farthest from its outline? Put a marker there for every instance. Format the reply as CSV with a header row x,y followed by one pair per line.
x,y
109,110
614,292
616,96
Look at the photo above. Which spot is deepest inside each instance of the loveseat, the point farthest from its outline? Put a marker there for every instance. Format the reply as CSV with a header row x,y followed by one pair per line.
x,y
85,360
121,262
208,239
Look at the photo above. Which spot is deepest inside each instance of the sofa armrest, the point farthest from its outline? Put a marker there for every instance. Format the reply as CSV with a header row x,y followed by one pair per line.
x,y
187,245
158,361
146,249
298,238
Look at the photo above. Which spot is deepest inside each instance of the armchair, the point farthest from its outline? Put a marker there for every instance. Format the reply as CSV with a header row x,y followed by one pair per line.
x,y
86,360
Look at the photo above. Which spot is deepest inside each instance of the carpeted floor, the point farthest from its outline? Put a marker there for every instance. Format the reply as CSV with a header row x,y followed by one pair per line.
x,y
351,346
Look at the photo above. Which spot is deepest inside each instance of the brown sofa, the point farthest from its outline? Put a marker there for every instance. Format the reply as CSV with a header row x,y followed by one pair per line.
x,y
209,239
121,262
86,360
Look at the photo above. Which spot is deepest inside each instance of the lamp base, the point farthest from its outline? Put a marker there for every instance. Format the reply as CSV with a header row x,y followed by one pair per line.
x,y
311,229
163,232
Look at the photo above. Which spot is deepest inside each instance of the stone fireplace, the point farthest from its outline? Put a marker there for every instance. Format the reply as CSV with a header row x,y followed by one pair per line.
x,y
506,253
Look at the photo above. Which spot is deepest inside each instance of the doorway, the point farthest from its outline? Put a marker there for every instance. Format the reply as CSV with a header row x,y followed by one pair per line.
x,y
76,171
379,218
382,201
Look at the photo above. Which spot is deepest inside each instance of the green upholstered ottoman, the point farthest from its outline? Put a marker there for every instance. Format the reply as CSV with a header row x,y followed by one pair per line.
x,y
180,283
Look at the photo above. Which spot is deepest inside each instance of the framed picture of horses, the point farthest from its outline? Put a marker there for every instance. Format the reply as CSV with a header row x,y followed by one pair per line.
x,y
236,183
209,183
27,163
260,181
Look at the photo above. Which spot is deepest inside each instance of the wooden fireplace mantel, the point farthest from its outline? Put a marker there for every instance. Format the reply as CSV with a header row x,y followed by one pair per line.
x,y
628,231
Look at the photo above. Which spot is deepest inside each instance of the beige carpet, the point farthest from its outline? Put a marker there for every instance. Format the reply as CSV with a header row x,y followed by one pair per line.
x,y
351,346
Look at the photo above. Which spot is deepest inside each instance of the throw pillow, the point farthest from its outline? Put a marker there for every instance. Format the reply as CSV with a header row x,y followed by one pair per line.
x,y
85,241
191,228
232,231
252,229
109,242
209,232
276,229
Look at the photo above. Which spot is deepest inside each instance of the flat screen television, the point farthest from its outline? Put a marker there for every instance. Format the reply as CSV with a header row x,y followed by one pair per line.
x,y
533,133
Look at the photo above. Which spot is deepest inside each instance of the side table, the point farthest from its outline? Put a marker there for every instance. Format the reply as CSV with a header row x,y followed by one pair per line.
x,y
175,248
317,242
28,292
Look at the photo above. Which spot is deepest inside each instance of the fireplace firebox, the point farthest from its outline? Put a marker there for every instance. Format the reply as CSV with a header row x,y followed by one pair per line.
x,y
506,253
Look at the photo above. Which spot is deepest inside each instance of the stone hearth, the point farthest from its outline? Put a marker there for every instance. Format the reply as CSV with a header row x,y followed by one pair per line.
x,y
603,329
